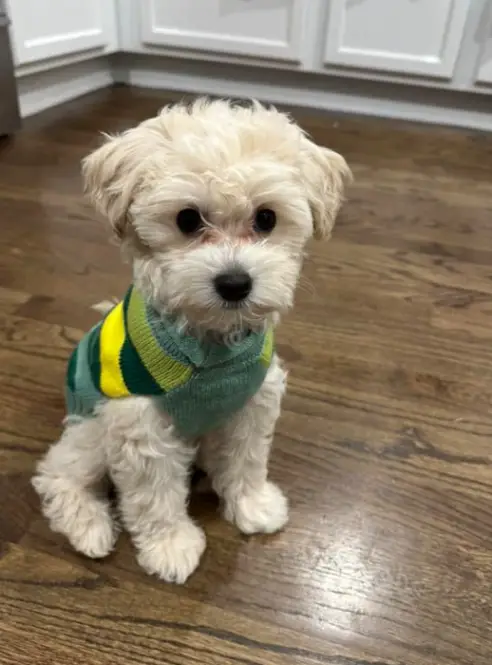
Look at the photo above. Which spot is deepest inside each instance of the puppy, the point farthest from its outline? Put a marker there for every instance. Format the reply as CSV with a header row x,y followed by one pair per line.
x,y
213,203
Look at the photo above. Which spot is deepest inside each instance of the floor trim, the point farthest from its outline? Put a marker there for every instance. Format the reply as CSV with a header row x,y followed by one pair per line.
x,y
41,91
327,93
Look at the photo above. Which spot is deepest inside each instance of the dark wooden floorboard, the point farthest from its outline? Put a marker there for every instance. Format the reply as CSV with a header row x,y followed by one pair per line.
x,y
384,445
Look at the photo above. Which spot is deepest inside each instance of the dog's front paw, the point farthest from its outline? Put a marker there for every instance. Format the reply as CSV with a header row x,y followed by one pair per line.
x,y
96,538
262,511
79,514
175,554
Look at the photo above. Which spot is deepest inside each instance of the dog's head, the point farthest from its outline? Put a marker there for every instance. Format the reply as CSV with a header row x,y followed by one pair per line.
x,y
214,203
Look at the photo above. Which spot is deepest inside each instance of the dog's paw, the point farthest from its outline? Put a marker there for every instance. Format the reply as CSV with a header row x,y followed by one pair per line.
x,y
96,536
174,555
78,514
263,511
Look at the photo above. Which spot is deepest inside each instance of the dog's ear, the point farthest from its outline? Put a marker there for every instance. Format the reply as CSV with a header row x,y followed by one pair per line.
x,y
325,174
112,175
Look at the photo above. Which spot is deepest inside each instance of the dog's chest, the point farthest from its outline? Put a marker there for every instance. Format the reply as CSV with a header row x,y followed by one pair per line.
x,y
212,396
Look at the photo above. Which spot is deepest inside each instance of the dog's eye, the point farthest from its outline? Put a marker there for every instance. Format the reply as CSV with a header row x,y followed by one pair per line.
x,y
265,220
189,221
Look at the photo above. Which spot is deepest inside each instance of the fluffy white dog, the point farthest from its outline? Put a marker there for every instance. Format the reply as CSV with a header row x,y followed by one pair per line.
x,y
213,203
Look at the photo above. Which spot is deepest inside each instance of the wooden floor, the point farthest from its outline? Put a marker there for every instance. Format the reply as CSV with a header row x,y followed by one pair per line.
x,y
384,446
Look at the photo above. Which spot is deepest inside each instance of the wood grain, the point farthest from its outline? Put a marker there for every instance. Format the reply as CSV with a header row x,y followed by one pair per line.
x,y
384,444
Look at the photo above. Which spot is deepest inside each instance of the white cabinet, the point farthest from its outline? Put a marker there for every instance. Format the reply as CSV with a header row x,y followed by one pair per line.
x,y
45,29
419,37
484,36
436,44
485,69
271,29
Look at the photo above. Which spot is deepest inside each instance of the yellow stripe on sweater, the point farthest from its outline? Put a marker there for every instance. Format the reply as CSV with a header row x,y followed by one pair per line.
x,y
111,340
166,372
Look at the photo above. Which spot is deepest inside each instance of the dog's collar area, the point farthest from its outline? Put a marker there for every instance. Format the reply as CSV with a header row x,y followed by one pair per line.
x,y
200,351
235,335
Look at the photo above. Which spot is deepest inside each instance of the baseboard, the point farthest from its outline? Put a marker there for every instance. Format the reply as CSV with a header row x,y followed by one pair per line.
x,y
327,93
38,92
43,90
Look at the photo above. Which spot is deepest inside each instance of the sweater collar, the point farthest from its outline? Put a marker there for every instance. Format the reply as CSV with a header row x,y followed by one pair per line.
x,y
185,346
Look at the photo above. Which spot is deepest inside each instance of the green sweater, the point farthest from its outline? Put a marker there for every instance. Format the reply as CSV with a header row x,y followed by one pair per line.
x,y
136,351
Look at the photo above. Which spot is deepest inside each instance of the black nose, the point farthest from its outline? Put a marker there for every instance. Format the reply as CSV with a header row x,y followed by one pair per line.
x,y
234,285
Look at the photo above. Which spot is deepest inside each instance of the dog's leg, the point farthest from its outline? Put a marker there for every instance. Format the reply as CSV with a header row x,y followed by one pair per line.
x,y
150,467
237,461
66,481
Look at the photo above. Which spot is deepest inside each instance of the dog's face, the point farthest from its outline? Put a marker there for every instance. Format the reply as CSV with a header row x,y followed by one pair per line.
x,y
215,203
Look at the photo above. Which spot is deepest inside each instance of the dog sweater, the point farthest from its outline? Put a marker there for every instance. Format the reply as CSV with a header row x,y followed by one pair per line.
x,y
136,351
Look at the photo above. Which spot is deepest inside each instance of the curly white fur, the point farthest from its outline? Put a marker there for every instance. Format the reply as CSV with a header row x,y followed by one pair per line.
x,y
226,161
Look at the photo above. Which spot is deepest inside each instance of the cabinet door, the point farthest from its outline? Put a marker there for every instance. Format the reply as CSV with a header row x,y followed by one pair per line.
x,y
484,35
419,37
485,70
256,28
45,29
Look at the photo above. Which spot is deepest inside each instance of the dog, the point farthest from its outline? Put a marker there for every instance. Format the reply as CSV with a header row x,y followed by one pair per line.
x,y
213,204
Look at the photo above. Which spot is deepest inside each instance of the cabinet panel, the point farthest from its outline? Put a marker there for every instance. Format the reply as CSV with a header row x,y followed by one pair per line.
x,y
485,69
45,29
270,29
419,37
484,35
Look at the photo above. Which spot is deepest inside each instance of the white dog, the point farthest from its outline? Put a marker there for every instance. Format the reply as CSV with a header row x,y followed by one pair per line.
x,y
213,203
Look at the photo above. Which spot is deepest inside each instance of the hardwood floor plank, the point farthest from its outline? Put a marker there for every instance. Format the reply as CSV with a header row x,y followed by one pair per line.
x,y
383,446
